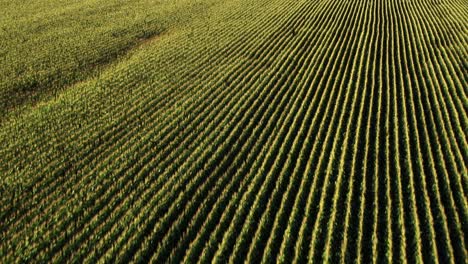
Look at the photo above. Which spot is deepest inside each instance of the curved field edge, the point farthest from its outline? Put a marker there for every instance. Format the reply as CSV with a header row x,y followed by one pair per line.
x,y
50,45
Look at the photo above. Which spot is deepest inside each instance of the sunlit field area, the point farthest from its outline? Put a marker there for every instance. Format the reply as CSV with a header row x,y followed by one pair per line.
x,y
266,131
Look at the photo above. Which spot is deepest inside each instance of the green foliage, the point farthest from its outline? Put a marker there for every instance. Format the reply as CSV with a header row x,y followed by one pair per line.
x,y
233,131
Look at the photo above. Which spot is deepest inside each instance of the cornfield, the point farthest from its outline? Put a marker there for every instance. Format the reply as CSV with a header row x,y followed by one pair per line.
x,y
234,131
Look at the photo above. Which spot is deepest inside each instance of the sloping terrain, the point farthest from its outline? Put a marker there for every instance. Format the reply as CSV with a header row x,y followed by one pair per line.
x,y
235,131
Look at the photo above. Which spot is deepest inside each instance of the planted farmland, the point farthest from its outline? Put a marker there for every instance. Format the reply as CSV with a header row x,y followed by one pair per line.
x,y
234,131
